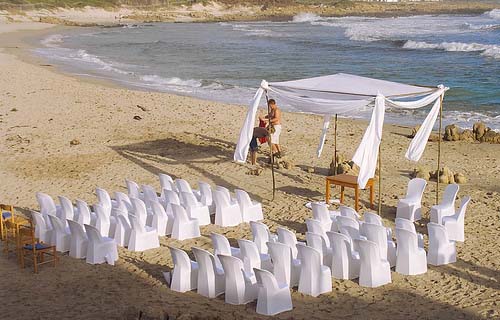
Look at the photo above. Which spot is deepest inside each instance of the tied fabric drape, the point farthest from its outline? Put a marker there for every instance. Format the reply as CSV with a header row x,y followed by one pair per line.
x,y
367,153
326,125
418,143
246,132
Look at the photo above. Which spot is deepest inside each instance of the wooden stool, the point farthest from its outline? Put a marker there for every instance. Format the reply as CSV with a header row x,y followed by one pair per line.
x,y
346,180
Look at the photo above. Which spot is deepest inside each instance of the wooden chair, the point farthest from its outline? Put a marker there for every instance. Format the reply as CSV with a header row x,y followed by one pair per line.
x,y
6,213
30,247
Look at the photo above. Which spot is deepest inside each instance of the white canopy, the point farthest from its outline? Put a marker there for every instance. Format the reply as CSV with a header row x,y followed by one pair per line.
x,y
347,94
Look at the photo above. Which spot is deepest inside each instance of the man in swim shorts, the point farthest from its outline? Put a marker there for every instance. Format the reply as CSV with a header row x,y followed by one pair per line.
x,y
274,118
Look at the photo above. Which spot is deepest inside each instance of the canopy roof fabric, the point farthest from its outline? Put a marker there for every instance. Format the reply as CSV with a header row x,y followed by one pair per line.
x,y
356,87
347,94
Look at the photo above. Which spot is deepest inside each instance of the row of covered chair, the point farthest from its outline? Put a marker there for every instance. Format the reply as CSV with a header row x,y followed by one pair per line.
x,y
201,203
444,213
243,274
340,235
137,218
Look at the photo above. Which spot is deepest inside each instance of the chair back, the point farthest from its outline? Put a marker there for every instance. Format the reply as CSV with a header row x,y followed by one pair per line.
x,y
221,244
233,269
206,192
133,189
416,189
320,212
310,261
348,222
373,218
40,225
171,197
149,194
57,224
349,212
437,234
136,224
450,193
93,234
368,252
250,254
281,257
206,263
461,210
180,213
315,226
124,221
243,198
289,238
180,258
188,199
103,198
406,224
260,235
166,181
140,210
183,186
67,211
158,210
266,280
407,241
122,197
377,234
46,203
101,213
83,212
221,201
225,192
77,230
317,242
341,247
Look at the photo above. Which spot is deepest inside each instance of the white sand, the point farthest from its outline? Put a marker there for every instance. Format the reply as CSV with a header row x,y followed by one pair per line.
x,y
172,137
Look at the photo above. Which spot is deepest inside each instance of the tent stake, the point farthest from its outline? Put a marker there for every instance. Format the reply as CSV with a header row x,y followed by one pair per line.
x,y
379,179
335,150
439,147
270,144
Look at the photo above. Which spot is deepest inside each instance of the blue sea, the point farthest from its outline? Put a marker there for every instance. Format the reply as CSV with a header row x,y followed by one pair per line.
x,y
227,61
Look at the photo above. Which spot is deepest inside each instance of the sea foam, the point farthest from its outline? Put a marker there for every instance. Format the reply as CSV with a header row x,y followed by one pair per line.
x,y
487,50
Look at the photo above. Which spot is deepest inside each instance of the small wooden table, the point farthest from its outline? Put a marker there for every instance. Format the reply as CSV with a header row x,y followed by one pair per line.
x,y
346,180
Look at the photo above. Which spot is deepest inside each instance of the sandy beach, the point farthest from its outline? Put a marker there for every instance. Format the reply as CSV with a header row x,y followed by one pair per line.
x,y
42,110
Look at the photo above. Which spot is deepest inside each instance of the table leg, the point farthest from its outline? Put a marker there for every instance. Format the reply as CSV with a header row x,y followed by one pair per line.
x,y
341,194
371,196
327,192
356,198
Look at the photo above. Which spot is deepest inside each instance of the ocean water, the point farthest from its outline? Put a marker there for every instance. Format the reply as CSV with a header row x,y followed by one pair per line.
x,y
226,61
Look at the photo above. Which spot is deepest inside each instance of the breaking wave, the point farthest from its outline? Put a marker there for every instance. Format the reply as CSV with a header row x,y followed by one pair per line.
x,y
487,50
495,14
306,17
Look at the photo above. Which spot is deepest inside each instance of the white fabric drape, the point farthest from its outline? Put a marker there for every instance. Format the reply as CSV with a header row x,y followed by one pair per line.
x,y
367,153
418,143
326,125
246,132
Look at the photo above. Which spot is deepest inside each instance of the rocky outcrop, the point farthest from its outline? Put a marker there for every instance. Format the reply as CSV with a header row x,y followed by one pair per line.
x,y
480,132
445,175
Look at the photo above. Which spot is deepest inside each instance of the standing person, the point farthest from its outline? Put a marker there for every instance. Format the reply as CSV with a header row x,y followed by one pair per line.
x,y
274,118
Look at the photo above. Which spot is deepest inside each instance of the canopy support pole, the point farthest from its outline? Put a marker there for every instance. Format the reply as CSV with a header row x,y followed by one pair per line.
x,y
270,144
335,147
379,179
439,147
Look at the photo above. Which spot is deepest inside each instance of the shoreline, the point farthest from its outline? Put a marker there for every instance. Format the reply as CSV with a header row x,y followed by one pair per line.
x,y
216,12
42,110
